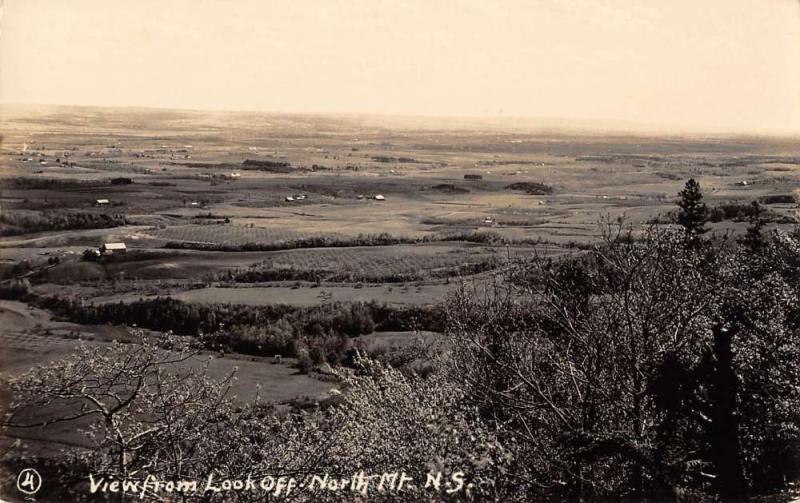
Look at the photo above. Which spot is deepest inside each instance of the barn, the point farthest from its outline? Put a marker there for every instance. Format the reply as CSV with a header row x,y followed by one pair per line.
x,y
110,248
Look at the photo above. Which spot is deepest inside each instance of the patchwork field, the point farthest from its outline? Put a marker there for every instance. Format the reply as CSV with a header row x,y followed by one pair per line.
x,y
327,228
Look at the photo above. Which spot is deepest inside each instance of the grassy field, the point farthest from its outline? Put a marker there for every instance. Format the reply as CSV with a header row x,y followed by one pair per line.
x,y
30,337
414,261
304,295
230,235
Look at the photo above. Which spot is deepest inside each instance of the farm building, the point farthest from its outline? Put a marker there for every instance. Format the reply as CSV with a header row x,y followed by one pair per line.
x,y
102,202
109,248
379,197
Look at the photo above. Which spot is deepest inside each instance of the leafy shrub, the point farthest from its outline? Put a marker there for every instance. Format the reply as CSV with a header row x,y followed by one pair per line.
x,y
269,166
778,199
449,188
532,188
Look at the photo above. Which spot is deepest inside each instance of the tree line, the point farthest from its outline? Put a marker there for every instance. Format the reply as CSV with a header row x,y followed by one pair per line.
x,y
256,330
20,223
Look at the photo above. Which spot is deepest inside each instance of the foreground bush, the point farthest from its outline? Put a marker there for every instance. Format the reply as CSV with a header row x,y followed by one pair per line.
x,y
645,368
151,409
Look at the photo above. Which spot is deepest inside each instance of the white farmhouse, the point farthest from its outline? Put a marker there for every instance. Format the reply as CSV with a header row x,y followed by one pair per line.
x,y
109,248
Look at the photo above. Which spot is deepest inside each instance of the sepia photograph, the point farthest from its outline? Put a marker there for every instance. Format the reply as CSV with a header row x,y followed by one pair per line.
x,y
400,251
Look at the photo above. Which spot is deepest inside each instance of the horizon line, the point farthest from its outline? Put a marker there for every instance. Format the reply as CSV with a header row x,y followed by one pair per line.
x,y
586,126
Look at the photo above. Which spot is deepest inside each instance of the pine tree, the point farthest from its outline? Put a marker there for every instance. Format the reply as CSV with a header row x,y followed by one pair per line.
x,y
754,237
693,210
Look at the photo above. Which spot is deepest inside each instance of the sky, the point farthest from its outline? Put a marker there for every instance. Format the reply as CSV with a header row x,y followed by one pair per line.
x,y
694,65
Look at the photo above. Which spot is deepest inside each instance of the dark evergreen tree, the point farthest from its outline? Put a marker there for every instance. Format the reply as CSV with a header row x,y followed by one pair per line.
x,y
693,210
754,237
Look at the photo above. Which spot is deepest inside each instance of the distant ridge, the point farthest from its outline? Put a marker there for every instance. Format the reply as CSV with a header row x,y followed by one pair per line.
x,y
496,124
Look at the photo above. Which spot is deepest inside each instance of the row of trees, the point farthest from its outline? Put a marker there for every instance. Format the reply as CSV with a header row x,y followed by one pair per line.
x,y
323,241
185,318
345,275
20,223
257,330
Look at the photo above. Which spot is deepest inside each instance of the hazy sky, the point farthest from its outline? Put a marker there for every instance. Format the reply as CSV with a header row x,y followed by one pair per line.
x,y
699,64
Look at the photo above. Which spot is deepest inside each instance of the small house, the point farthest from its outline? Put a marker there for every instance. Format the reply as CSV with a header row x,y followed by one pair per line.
x,y
110,248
